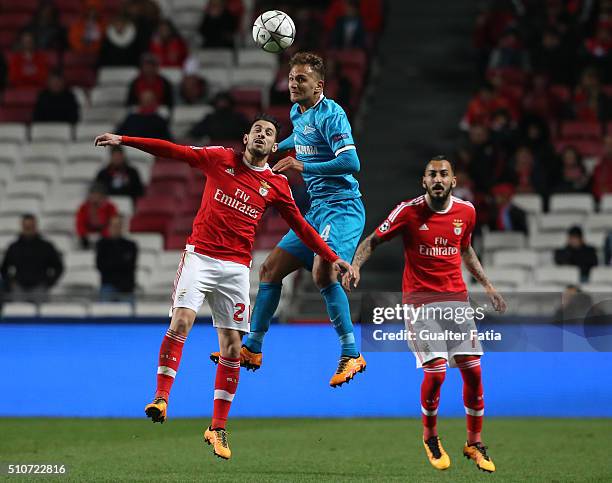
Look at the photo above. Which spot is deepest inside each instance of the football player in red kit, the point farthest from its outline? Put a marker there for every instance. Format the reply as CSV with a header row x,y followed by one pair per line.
x,y
215,263
436,229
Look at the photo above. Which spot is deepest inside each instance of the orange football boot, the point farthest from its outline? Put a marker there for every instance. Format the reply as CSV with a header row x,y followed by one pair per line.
x,y
347,368
249,360
218,439
477,452
157,410
436,454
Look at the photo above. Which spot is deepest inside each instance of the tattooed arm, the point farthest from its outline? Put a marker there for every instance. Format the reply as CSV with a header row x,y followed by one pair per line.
x,y
473,265
363,253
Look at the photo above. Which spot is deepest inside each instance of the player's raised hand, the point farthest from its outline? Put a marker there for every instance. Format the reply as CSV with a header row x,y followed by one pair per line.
x,y
107,139
498,302
354,278
287,164
343,267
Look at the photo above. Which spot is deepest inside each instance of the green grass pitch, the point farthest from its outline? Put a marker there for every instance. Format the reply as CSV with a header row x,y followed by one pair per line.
x,y
551,450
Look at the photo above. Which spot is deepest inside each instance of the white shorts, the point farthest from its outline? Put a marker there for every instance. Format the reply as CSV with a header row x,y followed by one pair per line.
x,y
433,335
224,284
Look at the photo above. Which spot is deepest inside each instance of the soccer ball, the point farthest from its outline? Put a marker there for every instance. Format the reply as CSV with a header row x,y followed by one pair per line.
x,y
274,31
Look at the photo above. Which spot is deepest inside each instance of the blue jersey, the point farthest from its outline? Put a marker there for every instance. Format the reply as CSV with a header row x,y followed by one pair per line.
x,y
320,134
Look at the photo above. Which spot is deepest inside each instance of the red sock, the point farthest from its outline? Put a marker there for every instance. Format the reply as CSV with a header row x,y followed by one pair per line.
x,y
472,397
226,383
433,377
169,360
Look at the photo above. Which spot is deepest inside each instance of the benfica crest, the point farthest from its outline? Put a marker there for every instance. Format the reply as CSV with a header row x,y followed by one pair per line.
x,y
458,224
264,189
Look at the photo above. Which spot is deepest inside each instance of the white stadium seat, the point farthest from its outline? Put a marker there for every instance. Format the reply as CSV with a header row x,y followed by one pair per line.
x,y
514,276
595,238
80,260
114,95
257,57
191,114
124,205
27,189
10,154
601,275
572,202
64,243
605,204
170,259
13,132
87,132
44,151
72,189
19,206
63,224
546,241
599,288
148,242
152,309
515,258
19,309
174,75
6,240
60,205
10,224
531,203
79,279
559,221
248,76
120,76
214,57
148,261
598,222
86,151
51,131
84,171
38,170
186,19
503,239
111,309
217,77
103,114
58,309
561,275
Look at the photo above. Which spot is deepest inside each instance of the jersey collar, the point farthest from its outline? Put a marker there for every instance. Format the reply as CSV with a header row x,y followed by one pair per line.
x,y
255,168
321,97
448,208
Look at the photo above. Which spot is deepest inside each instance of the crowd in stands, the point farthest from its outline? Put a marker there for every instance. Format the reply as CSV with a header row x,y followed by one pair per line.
x,y
54,56
541,120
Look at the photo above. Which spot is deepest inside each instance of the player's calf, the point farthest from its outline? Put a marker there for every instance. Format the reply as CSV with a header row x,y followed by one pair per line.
x,y
251,361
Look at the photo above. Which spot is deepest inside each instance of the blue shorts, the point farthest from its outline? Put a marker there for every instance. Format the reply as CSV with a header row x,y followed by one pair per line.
x,y
340,224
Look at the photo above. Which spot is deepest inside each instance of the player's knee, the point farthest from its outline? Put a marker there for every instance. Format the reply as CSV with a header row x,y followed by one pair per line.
x,y
230,344
181,322
323,276
268,272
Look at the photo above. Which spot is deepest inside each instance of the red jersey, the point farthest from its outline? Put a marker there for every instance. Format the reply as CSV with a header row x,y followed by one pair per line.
x,y
432,245
234,199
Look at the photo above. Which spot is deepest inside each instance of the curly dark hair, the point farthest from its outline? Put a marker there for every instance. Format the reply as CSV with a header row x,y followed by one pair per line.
x,y
311,59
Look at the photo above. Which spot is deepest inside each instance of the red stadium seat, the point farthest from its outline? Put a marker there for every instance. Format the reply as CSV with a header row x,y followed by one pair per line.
x,y
13,22
581,130
153,214
247,111
19,6
69,17
609,128
168,187
7,39
80,76
350,58
149,223
15,114
243,96
77,59
585,147
175,242
180,225
508,74
166,171
20,97
282,114
560,92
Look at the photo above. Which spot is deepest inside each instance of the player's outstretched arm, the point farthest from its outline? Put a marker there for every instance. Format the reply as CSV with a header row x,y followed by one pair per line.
x,y
363,253
475,267
156,147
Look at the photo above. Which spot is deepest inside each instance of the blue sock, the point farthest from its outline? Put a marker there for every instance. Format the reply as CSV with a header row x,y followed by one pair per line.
x,y
266,303
340,316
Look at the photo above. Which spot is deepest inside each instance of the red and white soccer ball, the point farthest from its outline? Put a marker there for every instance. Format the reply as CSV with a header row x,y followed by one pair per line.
x,y
274,31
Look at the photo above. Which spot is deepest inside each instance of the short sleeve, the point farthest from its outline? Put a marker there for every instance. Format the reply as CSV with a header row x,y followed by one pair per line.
x,y
466,239
394,223
337,132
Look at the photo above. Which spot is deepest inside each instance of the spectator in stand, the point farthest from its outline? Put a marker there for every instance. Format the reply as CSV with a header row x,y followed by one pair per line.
x,y
608,249
370,11
527,175
554,58
86,34
577,253
56,103
121,45
509,53
146,120
145,15
495,18
280,86
119,178
349,32
503,133
589,103
223,123
168,46
27,66
602,174
598,49
218,25
506,216
574,176
337,86
149,79
116,258
31,264
465,186
48,32
3,72
485,165
535,134
193,89
94,215
482,106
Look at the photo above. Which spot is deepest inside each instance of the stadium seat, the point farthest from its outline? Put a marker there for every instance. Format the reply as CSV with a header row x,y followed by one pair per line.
x,y
601,275
174,75
152,309
595,238
51,131
572,202
80,76
559,221
10,224
13,132
515,258
77,188
59,224
11,114
111,309
257,58
43,151
276,224
19,309
83,171
605,204
103,114
596,288
36,189
59,309
170,258
64,243
586,147
581,130
180,172
124,205
117,76
80,260
218,78
248,76
598,222
112,95
58,204
17,206
148,242
186,19
245,96
148,261
86,152
159,187
175,242
546,241
10,154
281,113
87,132
39,170
83,282
564,275
496,240
24,97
